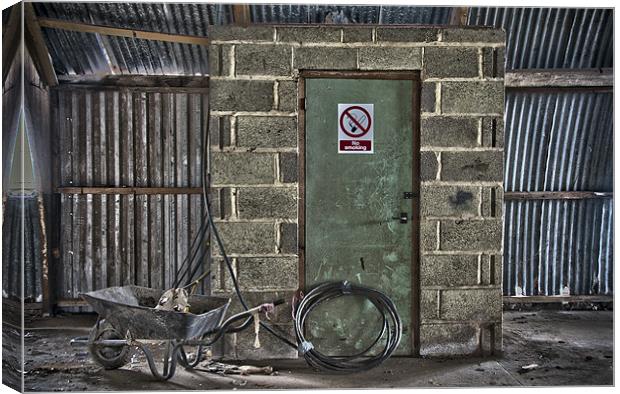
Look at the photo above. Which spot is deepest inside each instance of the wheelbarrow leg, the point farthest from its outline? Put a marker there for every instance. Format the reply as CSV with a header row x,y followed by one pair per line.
x,y
170,360
184,360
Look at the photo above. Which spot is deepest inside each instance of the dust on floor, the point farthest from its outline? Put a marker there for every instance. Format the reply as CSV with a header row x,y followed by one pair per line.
x,y
560,348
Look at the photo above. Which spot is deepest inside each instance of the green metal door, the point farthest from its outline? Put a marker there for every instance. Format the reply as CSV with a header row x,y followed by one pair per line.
x,y
352,202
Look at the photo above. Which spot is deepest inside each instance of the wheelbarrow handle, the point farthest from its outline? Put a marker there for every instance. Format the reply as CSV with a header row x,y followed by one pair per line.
x,y
279,301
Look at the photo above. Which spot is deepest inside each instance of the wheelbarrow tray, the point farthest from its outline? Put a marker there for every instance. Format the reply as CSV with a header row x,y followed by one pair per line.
x,y
132,308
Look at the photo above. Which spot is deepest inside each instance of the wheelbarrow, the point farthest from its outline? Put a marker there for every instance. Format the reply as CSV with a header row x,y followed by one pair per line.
x,y
128,318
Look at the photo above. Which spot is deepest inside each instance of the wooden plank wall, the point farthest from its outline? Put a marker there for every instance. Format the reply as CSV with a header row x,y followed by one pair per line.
x,y
126,138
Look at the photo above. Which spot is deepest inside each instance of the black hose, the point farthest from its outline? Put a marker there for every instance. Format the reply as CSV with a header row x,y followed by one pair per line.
x,y
391,330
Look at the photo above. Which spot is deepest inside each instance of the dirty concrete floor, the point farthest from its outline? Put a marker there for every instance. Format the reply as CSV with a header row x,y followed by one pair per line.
x,y
569,347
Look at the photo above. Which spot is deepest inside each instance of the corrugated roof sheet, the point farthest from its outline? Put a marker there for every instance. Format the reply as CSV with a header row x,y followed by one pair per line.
x,y
536,37
552,37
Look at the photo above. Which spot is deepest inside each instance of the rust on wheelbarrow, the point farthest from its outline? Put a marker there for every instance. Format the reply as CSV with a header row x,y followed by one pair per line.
x,y
132,309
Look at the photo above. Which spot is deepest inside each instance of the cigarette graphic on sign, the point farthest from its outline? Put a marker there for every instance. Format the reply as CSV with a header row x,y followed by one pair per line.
x,y
355,128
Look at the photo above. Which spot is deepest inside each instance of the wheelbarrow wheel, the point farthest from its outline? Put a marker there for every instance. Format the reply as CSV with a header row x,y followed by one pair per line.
x,y
109,357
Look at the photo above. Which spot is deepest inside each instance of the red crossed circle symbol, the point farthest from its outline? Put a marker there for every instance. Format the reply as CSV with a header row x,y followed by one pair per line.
x,y
356,123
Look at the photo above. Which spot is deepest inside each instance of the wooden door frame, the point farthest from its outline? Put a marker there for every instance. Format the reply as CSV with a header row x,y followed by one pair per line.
x,y
413,76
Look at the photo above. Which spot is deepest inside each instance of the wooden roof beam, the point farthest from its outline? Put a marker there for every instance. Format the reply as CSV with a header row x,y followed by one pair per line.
x,y
241,14
37,47
458,16
560,78
121,32
11,39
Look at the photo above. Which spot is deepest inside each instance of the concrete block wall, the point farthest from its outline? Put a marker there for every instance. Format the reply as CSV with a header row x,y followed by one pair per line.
x,y
253,127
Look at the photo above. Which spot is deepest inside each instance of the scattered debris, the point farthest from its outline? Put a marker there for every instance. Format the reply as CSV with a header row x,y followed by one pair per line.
x,y
174,300
230,369
528,368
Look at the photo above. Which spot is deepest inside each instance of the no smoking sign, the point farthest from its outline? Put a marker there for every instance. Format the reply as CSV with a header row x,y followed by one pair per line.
x,y
355,128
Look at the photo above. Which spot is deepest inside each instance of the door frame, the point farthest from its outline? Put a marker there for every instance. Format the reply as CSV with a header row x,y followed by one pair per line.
x,y
415,77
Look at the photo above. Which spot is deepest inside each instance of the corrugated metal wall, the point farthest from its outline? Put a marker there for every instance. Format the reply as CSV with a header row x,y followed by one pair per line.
x,y
127,138
552,37
559,141
557,247
21,233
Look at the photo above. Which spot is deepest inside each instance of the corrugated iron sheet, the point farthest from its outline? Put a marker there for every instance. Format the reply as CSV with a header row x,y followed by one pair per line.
x,y
127,138
536,37
558,247
82,53
552,37
21,244
559,141
271,13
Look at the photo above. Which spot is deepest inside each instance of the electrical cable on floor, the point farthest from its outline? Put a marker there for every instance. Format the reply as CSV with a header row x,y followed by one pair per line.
x,y
391,331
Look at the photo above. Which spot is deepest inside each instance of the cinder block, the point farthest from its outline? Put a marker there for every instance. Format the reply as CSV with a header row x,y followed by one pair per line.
x,y
288,238
493,132
288,167
471,235
396,34
308,34
267,203
453,62
471,304
428,305
266,131
461,201
287,96
239,33
472,97
492,201
491,269
271,347
472,166
428,98
267,273
491,339
356,34
386,58
449,270
474,34
242,168
262,60
428,166
449,131
221,206
449,339
325,58
241,95
219,60
247,238
493,62
428,235
219,131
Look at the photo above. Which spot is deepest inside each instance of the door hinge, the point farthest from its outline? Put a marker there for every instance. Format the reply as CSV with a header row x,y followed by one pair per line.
x,y
302,103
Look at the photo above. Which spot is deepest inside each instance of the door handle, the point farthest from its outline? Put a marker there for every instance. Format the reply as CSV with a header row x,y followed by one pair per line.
x,y
403,218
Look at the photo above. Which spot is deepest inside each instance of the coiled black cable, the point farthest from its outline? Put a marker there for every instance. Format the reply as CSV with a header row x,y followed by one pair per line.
x,y
391,330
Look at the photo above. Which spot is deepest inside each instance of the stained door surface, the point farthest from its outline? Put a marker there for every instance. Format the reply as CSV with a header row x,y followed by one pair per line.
x,y
351,202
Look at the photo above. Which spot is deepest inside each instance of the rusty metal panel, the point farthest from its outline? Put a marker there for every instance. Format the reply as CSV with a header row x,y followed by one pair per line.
x,y
127,138
558,247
